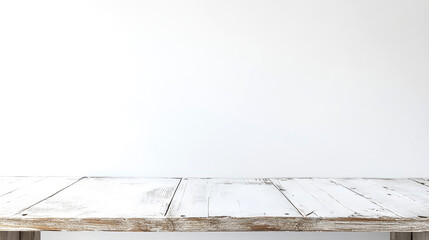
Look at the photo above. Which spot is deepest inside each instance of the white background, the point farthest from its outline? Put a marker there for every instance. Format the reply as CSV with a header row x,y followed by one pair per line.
x,y
225,88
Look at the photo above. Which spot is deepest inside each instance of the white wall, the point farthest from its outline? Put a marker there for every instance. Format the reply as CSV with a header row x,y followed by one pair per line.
x,y
225,88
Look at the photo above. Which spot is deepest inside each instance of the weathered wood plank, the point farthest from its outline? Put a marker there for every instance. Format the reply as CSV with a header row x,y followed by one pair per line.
x,y
10,184
407,188
303,200
230,197
109,198
327,199
247,198
191,199
214,224
395,202
361,206
30,194
136,204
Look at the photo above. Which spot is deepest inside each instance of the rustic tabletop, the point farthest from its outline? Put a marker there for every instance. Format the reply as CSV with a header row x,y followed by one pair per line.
x,y
208,204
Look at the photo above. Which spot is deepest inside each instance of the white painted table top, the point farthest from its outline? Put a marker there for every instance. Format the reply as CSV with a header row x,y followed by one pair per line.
x,y
204,204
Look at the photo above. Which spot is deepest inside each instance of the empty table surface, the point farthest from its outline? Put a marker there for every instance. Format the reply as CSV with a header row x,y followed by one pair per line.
x,y
209,204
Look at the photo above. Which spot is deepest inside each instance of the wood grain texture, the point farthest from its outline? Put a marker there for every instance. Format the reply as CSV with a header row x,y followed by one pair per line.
x,y
229,197
109,198
213,224
191,199
9,236
401,236
421,236
29,235
20,199
395,201
247,198
10,184
410,189
324,198
409,236
205,205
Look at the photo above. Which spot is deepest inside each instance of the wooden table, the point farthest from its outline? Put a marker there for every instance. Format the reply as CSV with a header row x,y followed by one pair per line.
x,y
29,205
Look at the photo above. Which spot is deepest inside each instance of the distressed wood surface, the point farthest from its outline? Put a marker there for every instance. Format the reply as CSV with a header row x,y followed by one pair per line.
x,y
421,181
325,198
247,198
205,204
407,188
191,199
32,193
10,184
396,201
109,198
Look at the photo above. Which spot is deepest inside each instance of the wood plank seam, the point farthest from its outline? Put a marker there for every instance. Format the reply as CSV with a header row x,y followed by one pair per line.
x,y
403,195
287,198
419,182
172,197
310,193
335,199
22,187
383,207
108,198
25,209
324,198
204,205
360,194
416,192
